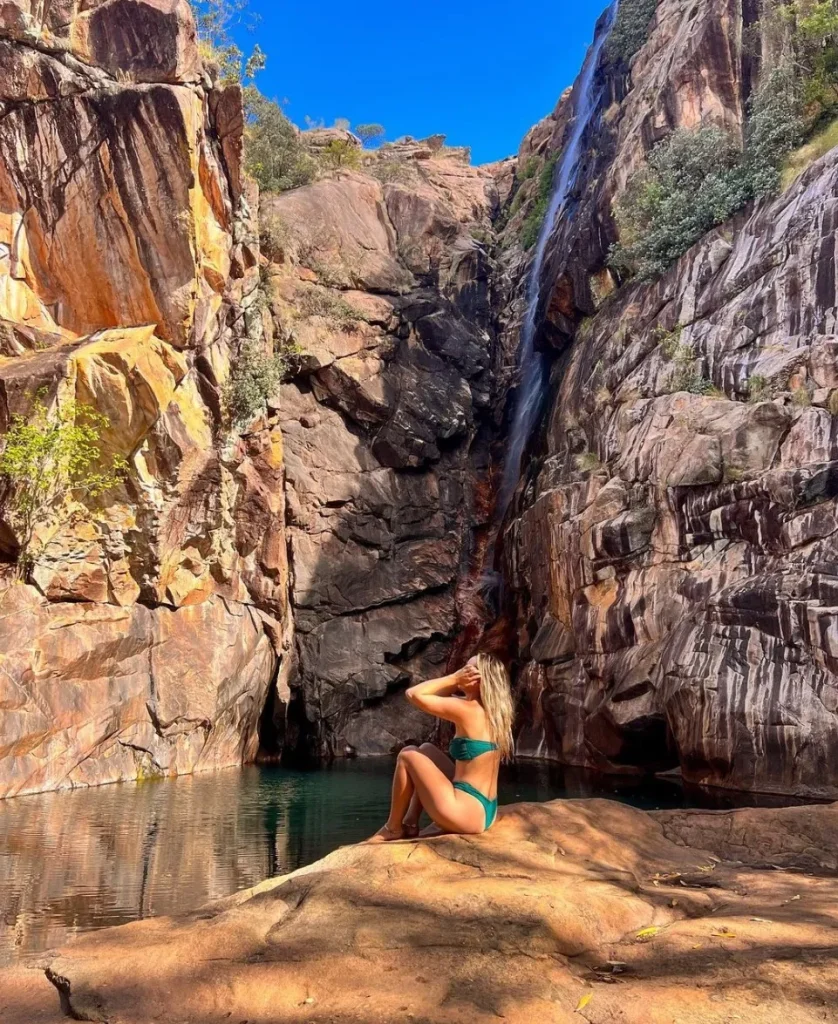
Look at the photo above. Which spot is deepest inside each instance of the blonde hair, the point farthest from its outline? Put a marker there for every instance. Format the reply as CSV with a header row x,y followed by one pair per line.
x,y
496,698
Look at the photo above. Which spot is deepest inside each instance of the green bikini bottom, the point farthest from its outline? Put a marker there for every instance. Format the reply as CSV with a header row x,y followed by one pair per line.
x,y
489,806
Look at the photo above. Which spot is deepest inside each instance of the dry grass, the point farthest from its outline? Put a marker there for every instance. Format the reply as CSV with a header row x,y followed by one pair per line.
x,y
798,161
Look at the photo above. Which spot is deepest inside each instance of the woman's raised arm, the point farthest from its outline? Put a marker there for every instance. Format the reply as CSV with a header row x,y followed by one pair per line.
x,y
436,696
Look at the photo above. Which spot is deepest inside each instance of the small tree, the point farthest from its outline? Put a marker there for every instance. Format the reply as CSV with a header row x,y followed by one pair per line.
x,y
274,155
46,461
255,378
215,20
370,134
341,153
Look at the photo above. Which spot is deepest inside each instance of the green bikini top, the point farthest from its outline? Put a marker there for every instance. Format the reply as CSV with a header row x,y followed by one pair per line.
x,y
464,749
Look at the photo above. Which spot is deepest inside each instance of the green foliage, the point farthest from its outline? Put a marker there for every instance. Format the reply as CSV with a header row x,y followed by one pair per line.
x,y
321,302
255,378
815,35
806,155
49,459
631,29
274,155
215,21
759,389
341,154
530,168
370,134
670,341
531,227
774,129
693,180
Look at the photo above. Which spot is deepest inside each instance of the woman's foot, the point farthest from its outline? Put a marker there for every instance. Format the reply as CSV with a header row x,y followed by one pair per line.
x,y
409,830
431,831
386,835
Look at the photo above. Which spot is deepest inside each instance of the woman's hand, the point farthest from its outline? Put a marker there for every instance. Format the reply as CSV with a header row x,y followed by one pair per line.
x,y
468,679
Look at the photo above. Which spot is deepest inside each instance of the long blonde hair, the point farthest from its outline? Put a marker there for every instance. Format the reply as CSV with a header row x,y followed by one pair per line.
x,y
496,698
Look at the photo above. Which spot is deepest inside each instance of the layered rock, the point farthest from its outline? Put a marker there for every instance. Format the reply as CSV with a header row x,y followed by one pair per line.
x,y
563,911
672,551
128,280
384,289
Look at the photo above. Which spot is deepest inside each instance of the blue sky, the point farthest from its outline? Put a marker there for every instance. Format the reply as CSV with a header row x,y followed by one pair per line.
x,y
479,71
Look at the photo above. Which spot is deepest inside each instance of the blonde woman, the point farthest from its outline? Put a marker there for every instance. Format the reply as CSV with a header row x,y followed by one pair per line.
x,y
460,792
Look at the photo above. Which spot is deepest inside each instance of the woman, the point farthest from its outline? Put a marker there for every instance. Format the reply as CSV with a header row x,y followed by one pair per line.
x,y
460,792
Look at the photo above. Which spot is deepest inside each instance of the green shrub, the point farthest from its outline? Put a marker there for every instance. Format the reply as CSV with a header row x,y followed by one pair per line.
x,y
341,154
531,228
274,155
631,28
255,378
697,178
775,128
759,389
693,180
801,397
685,376
529,169
49,460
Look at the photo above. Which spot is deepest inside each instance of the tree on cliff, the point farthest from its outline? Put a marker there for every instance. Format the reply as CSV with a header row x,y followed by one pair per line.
x,y
370,134
274,155
49,463
215,20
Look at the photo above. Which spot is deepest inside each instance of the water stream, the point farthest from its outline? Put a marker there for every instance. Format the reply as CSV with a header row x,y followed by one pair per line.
x,y
532,364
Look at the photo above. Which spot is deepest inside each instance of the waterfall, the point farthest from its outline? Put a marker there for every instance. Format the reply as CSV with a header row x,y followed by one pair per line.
x,y
532,364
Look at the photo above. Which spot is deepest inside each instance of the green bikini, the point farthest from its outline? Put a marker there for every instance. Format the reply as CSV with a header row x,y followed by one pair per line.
x,y
464,749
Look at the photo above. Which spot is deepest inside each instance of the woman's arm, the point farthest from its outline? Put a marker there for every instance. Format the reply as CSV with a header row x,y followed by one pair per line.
x,y
436,696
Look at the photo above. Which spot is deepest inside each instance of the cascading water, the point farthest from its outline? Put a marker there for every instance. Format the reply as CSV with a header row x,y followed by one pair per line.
x,y
532,364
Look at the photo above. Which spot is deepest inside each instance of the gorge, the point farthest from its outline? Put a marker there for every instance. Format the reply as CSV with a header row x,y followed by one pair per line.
x,y
290,422
667,551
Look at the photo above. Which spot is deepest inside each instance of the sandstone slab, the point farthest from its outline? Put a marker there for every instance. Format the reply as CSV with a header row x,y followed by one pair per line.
x,y
564,911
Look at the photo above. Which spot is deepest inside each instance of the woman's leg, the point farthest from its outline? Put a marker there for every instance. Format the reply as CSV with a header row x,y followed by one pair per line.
x,y
414,812
400,797
452,810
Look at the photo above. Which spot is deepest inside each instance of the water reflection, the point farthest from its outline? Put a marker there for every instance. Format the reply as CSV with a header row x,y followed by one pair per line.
x,y
75,861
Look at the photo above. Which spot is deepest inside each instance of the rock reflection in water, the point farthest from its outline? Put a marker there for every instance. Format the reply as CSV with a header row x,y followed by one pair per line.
x,y
75,861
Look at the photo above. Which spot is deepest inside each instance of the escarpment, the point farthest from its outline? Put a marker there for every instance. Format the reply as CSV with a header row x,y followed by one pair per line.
x,y
281,577
146,637
672,548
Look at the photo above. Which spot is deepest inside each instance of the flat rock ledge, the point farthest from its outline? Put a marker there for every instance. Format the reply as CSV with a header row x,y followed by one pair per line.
x,y
565,912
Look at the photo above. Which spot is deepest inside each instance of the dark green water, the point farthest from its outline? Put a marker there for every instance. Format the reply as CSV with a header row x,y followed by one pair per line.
x,y
76,861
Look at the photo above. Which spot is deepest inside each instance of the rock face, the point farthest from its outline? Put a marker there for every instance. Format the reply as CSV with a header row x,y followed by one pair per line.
x,y
673,553
384,290
564,911
148,640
